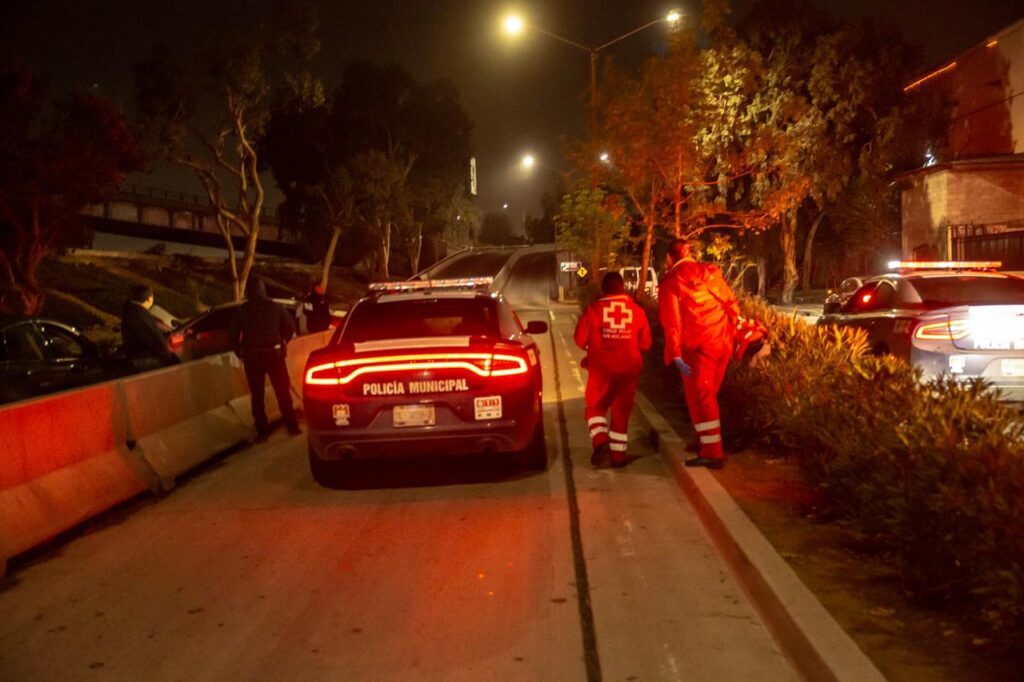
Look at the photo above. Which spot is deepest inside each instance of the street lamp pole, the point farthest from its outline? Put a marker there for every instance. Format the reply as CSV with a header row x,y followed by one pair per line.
x,y
516,25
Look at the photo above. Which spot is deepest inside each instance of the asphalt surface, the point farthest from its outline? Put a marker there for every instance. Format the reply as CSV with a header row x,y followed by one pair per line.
x,y
462,570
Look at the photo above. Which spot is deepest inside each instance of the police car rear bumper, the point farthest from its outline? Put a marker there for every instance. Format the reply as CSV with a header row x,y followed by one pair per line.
x,y
505,435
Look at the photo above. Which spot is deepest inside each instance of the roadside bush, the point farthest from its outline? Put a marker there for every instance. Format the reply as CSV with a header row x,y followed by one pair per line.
x,y
932,472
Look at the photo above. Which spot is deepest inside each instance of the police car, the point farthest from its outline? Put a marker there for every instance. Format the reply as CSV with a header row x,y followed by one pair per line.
x,y
425,368
958,318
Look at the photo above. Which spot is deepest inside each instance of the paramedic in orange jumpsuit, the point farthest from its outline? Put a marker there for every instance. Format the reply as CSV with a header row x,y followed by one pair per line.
x,y
698,312
614,332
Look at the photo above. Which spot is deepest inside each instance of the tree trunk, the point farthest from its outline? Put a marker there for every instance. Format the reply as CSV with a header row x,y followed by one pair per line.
x,y
416,250
762,269
325,270
250,254
787,239
809,253
385,251
645,261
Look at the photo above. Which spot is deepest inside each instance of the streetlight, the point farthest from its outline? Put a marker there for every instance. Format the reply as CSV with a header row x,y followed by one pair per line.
x,y
515,25
528,161
604,158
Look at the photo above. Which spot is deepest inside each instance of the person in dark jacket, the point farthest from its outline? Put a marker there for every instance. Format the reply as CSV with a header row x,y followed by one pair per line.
x,y
259,335
145,345
316,310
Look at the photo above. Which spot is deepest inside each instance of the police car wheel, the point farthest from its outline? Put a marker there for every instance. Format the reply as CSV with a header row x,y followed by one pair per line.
x,y
326,473
535,456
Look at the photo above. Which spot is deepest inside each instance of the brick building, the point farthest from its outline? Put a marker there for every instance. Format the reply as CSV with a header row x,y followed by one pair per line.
x,y
967,201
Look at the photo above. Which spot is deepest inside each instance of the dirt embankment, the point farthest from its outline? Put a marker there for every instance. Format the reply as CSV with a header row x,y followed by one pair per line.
x,y
87,290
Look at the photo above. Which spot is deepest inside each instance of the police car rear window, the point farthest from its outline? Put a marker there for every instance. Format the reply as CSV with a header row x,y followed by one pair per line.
x,y
940,292
422,318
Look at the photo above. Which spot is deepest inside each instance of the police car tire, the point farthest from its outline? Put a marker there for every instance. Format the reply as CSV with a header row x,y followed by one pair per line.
x,y
535,456
327,474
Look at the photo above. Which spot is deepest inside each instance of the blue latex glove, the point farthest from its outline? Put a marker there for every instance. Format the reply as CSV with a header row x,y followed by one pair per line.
x,y
681,365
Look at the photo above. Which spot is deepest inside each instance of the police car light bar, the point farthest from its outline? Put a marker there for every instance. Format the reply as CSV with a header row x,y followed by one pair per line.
x,y
416,285
945,265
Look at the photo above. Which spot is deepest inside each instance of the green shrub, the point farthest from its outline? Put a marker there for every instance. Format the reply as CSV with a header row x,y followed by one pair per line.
x,y
931,472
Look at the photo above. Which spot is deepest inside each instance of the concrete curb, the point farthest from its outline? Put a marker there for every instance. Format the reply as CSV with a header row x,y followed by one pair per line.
x,y
818,648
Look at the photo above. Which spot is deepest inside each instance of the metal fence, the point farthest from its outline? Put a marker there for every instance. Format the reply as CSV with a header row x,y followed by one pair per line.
x,y
1002,242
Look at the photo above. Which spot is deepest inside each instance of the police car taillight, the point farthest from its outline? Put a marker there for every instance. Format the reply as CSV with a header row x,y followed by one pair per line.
x,y
342,372
952,330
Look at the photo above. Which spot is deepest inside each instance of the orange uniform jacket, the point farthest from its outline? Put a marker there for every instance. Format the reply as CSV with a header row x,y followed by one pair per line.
x,y
614,331
697,308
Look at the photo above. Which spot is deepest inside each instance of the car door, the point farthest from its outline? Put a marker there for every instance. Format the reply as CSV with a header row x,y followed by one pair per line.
x,y
25,371
209,334
70,358
871,309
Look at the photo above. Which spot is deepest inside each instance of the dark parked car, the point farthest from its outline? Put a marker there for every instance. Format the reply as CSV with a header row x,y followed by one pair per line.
x,y
837,298
429,368
39,356
960,319
207,333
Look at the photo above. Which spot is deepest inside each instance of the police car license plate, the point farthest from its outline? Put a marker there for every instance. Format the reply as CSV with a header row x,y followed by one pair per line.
x,y
487,407
1013,367
413,415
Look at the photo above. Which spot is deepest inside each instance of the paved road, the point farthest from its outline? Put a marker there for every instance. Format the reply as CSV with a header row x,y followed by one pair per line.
x,y
249,571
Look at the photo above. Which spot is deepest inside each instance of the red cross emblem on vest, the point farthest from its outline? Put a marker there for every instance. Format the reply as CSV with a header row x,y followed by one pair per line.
x,y
617,315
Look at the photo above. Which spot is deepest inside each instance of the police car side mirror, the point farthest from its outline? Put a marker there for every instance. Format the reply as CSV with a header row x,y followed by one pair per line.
x,y
536,327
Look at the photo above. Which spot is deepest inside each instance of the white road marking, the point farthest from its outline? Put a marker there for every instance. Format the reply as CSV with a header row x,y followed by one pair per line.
x,y
626,544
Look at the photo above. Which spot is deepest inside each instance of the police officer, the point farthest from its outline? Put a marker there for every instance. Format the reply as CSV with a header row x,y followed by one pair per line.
x,y
614,332
145,345
698,313
259,335
315,309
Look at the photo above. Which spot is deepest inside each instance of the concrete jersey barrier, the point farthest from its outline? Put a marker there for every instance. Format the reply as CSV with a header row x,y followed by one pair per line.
x,y
69,456
63,459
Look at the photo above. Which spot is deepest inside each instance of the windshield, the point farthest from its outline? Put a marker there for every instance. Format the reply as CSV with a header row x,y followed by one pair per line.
x,y
942,292
422,318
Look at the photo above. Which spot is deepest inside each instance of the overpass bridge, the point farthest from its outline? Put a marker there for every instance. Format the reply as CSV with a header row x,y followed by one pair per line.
x,y
140,217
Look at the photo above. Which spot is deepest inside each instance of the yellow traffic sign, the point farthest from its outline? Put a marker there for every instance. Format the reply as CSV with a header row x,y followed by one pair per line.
x,y
582,271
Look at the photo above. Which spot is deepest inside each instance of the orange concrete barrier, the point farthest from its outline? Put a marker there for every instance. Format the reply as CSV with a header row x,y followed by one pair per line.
x,y
180,416
63,459
67,457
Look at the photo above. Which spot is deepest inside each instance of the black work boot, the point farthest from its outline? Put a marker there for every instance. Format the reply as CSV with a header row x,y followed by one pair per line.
x,y
600,453
707,462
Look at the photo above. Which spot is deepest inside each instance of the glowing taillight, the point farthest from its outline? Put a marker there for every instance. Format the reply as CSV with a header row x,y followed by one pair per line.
x,y
177,340
866,298
482,364
953,330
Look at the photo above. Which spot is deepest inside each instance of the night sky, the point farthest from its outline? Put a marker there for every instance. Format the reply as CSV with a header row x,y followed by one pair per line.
x,y
521,95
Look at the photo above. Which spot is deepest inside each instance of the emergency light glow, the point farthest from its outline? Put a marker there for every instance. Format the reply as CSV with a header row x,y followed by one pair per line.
x,y
945,265
481,364
416,285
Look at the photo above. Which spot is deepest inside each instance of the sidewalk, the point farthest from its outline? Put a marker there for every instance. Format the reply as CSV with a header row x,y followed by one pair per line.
x,y
665,604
